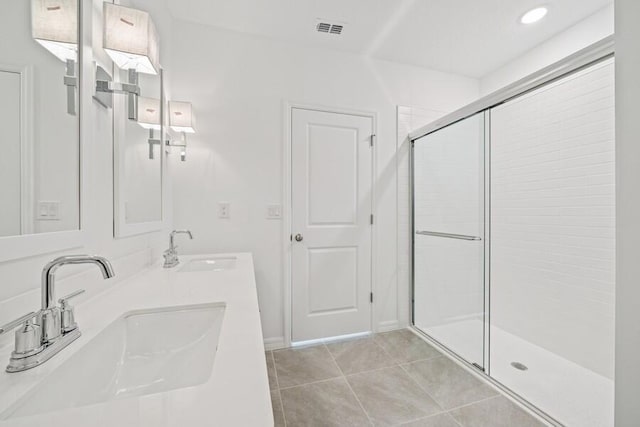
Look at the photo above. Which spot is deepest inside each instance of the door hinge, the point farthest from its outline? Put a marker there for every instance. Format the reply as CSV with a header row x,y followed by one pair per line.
x,y
371,297
373,135
371,219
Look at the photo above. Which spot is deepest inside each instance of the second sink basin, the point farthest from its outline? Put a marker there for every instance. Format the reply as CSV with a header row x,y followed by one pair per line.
x,y
141,352
209,264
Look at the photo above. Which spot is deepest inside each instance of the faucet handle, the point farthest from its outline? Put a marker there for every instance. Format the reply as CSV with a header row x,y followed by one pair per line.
x,y
68,321
15,323
64,299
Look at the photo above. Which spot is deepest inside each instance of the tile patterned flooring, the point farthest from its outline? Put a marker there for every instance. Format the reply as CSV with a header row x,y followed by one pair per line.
x,y
389,379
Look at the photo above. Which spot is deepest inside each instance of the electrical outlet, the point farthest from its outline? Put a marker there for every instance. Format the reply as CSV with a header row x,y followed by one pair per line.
x,y
274,211
224,210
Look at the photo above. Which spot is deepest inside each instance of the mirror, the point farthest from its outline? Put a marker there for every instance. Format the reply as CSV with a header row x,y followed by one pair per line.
x,y
39,118
139,156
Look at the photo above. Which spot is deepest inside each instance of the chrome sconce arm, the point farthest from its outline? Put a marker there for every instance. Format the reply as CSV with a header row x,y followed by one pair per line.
x,y
153,142
105,88
71,82
182,145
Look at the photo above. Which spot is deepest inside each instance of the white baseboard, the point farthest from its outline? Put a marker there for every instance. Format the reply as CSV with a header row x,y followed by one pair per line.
x,y
274,343
390,325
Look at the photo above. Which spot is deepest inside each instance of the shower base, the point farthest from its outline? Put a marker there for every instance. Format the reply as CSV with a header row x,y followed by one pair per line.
x,y
570,393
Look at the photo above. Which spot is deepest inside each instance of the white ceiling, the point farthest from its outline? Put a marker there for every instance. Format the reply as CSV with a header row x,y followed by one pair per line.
x,y
468,37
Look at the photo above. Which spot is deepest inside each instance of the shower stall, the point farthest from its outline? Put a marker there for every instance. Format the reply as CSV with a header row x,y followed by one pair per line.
x,y
513,237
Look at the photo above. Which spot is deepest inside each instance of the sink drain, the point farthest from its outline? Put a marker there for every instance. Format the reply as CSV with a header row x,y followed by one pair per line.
x,y
519,366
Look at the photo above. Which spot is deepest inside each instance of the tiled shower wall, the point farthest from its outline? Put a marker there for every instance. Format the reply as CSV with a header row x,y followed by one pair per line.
x,y
553,217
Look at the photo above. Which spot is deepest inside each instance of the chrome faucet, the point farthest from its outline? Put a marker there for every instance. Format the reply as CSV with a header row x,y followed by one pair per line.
x,y
55,327
171,255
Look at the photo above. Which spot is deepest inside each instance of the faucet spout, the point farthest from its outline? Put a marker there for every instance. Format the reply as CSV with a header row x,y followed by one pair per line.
x,y
49,270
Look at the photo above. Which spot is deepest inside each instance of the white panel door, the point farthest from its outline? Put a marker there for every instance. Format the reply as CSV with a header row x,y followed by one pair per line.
x,y
331,224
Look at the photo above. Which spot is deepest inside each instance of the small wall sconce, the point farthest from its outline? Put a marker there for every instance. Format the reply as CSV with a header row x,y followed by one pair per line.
x,y
131,41
54,25
149,118
181,119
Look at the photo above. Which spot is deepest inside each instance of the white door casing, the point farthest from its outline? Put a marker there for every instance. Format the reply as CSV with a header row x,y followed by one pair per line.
x,y
331,207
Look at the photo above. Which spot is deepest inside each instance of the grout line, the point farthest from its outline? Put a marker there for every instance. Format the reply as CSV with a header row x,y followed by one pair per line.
x,y
311,383
422,388
473,403
275,370
430,416
366,414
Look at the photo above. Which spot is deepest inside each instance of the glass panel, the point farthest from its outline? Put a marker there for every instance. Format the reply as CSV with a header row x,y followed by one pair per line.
x,y
39,118
448,222
553,246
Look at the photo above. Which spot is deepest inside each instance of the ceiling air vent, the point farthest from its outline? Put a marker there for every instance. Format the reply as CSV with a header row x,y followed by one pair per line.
x,y
326,27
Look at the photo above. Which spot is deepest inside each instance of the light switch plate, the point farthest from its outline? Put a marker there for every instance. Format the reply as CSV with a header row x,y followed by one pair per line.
x,y
48,211
224,210
274,211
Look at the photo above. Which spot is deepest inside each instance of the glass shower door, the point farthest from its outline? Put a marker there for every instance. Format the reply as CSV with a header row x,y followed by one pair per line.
x,y
448,240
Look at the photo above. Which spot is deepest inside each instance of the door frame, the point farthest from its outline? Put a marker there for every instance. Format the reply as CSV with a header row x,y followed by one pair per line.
x,y
287,211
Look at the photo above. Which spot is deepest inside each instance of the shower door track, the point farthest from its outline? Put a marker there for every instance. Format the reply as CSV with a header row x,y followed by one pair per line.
x,y
591,55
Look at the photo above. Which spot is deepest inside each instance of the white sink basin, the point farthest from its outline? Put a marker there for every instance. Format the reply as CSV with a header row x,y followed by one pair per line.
x,y
140,353
209,264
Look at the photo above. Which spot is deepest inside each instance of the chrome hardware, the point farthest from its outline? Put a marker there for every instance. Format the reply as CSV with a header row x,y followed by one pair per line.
x,y
71,82
448,235
15,323
55,327
67,316
299,237
171,255
28,339
105,88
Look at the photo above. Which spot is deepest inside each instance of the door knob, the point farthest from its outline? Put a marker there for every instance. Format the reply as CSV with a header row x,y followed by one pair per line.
x,y
298,237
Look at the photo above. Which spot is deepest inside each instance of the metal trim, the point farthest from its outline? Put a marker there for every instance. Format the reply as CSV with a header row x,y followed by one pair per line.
x,y
448,235
597,52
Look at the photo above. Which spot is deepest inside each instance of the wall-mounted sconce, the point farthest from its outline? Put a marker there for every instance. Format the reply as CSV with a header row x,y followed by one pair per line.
x,y
181,119
149,118
54,25
131,41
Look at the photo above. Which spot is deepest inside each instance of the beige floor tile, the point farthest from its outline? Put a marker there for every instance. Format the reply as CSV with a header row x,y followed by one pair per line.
x,y
494,412
405,346
326,403
304,365
448,383
276,403
359,355
390,396
271,371
440,420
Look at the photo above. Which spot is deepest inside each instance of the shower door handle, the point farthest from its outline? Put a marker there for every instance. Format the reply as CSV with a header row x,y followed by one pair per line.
x,y
448,235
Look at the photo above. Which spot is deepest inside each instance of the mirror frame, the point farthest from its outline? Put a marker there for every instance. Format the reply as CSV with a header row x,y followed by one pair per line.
x,y
120,227
23,246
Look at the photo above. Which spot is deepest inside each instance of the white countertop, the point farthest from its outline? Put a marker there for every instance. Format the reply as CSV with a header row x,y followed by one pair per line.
x,y
236,394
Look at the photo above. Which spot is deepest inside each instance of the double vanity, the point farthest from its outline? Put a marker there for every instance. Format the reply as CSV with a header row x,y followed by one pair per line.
x,y
179,346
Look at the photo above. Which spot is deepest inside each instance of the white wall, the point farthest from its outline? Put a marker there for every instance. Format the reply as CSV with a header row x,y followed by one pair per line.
x,y
553,217
53,132
11,153
628,211
584,33
238,84
20,279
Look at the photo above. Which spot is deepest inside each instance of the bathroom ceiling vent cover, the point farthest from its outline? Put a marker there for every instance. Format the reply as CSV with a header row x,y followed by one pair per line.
x,y
325,27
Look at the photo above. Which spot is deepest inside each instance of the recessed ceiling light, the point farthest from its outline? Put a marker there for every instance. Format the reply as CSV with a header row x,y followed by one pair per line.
x,y
534,15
